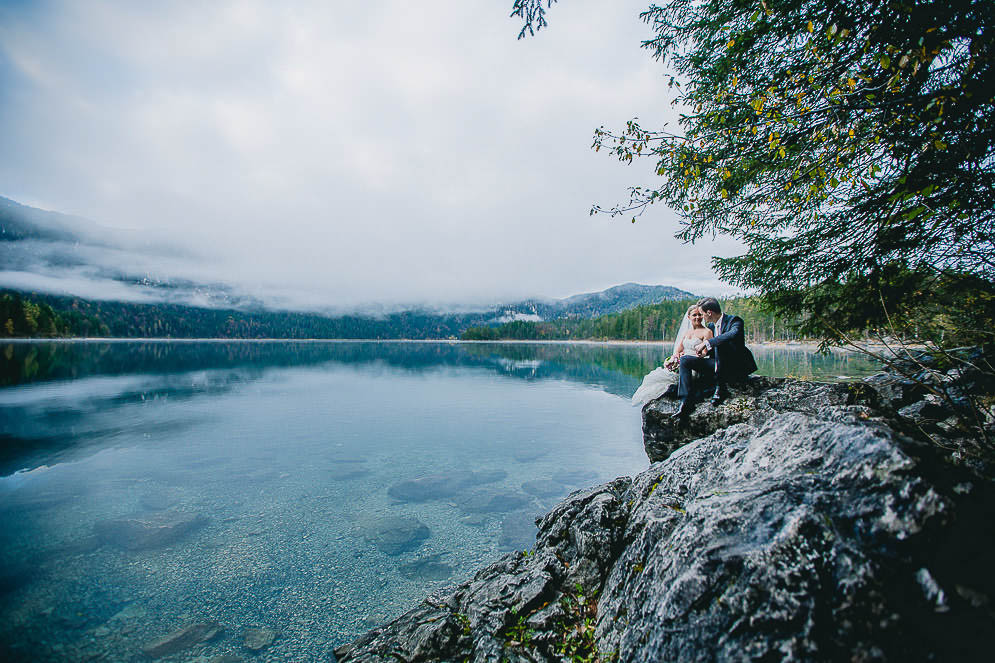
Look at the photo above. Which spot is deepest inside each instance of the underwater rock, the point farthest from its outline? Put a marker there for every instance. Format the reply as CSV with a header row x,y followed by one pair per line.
x,y
492,502
528,454
397,534
181,639
258,639
544,488
347,471
158,501
226,658
575,478
441,486
427,568
518,531
149,530
431,487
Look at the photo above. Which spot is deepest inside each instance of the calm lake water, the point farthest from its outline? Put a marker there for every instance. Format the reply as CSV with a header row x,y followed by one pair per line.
x,y
314,489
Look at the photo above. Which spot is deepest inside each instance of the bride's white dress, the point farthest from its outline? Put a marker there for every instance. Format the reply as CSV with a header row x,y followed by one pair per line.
x,y
660,378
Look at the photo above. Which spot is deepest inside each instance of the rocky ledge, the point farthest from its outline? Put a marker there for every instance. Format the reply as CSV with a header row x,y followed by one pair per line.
x,y
793,522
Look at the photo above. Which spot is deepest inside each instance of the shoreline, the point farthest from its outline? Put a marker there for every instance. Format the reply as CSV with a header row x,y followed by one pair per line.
x,y
807,344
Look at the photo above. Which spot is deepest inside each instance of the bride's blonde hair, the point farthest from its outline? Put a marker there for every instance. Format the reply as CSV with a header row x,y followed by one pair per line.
x,y
690,308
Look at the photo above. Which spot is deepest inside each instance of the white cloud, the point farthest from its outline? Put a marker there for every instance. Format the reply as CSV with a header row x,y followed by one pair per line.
x,y
386,152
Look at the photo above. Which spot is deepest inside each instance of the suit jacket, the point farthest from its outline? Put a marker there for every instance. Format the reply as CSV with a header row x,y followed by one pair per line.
x,y
733,360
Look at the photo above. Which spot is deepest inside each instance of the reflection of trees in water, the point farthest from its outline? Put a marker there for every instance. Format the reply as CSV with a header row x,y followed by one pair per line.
x,y
613,367
806,363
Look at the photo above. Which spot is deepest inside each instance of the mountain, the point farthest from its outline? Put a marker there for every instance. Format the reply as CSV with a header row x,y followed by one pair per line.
x,y
122,281
595,304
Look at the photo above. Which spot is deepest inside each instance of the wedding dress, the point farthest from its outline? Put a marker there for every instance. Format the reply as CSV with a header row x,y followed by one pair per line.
x,y
659,379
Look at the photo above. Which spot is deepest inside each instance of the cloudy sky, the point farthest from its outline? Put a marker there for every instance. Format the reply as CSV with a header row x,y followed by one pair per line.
x,y
338,153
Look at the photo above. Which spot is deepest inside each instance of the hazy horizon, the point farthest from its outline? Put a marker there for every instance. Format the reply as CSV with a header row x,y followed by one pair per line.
x,y
335,158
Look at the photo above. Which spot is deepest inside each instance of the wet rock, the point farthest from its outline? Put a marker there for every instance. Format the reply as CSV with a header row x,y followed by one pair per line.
x,y
426,569
257,639
397,534
148,531
543,488
496,502
184,638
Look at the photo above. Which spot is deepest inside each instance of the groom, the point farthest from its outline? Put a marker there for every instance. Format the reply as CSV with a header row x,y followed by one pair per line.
x,y
724,356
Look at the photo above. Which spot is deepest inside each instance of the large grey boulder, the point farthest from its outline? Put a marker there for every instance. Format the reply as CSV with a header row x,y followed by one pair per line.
x,y
804,529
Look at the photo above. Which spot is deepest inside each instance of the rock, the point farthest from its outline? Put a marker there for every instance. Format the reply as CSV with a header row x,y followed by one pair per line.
x,y
801,527
426,569
14,576
158,501
257,639
518,531
184,638
543,488
397,534
528,454
226,658
424,489
482,477
753,401
130,611
894,390
474,519
441,486
575,478
492,502
148,531
347,471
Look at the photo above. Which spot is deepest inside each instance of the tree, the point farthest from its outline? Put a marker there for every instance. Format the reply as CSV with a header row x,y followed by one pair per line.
x,y
849,146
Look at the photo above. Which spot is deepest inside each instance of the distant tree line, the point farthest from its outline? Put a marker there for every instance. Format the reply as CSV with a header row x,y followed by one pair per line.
x,y
51,316
651,322
25,317
43,315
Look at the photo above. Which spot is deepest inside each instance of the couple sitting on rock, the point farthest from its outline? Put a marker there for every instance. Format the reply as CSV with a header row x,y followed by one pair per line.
x,y
710,352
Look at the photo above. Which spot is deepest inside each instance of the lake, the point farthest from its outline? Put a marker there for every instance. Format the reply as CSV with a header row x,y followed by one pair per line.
x,y
309,490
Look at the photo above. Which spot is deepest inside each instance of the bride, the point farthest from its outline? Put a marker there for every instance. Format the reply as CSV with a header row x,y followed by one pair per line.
x,y
691,335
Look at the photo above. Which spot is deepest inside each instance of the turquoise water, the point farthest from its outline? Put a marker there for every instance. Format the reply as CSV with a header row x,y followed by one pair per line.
x,y
313,489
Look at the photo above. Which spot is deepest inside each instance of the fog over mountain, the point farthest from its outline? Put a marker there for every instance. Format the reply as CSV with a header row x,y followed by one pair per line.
x,y
313,155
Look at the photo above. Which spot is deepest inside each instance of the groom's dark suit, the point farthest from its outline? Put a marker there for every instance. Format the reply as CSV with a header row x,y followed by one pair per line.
x,y
731,360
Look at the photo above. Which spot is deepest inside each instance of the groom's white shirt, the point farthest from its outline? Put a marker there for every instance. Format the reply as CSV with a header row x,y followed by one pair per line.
x,y
718,330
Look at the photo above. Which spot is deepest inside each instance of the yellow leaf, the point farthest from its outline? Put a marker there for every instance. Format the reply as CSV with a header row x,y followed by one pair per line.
x,y
732,42
810,26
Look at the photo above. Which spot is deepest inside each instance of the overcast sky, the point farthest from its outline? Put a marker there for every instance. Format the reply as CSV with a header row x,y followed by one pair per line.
x,y
337,153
